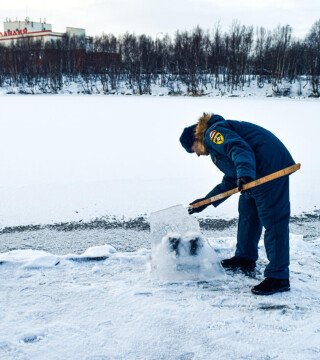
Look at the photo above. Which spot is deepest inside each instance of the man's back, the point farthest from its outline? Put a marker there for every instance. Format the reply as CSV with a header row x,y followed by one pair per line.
x,y
270,153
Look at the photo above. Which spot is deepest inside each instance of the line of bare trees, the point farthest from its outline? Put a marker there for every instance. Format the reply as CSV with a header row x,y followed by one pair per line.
x,y
197,59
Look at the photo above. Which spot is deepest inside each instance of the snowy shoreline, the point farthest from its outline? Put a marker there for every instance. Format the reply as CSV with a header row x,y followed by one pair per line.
x,y
296,90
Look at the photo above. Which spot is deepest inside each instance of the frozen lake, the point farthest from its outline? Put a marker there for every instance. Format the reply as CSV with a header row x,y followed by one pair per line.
x,y
69,158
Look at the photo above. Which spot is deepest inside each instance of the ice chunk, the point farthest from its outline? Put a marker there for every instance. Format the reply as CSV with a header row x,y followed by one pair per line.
x,y
96,251
182,258
179,252
174,219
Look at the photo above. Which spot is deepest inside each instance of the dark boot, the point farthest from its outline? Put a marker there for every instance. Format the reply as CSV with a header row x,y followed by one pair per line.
x,y
239,263
271,286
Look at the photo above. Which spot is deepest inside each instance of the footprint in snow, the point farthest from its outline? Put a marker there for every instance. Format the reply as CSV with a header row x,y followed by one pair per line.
x,y
273,307
143,294
31,338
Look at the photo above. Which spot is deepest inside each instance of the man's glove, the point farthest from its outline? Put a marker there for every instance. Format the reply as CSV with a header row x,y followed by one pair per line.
x,y
242,181
198,209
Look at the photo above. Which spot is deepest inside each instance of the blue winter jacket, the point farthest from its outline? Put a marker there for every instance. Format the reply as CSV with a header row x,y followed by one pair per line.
x,y
241,149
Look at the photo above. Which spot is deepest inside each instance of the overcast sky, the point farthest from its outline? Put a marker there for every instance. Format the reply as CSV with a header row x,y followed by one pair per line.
x,y
163,16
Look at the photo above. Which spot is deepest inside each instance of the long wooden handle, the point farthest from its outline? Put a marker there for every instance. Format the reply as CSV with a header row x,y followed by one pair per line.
x,y
250,185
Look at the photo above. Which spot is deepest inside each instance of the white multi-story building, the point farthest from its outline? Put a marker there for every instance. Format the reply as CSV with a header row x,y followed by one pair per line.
x,y
15,30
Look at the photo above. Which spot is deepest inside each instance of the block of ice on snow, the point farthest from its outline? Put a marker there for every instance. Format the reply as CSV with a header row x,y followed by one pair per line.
x,y
180,263
179,252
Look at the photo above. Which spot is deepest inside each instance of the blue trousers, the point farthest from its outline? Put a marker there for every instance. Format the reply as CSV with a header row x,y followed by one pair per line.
x,y
266,206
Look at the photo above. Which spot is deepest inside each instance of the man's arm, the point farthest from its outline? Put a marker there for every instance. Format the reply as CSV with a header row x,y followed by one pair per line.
x,y
226,184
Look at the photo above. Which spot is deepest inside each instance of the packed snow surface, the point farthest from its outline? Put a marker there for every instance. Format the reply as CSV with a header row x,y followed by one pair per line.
x,y
56,307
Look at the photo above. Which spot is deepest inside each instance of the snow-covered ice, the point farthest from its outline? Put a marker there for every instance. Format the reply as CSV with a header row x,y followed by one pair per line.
x,y
91,292
76,158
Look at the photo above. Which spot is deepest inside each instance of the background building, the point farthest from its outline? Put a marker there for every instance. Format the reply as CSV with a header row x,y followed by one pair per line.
x,y
27,29
43,55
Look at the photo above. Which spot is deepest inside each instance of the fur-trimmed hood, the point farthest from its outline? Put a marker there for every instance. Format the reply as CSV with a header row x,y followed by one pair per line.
x,y
204,122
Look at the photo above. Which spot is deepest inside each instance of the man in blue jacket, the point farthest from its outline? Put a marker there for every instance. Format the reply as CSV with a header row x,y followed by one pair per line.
x,y
245,152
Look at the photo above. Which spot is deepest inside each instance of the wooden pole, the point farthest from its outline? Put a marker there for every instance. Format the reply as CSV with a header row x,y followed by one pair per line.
x,y
287,171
